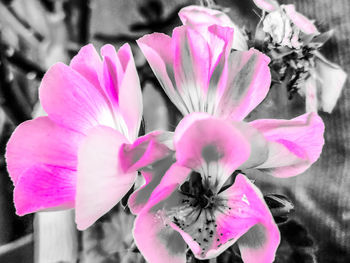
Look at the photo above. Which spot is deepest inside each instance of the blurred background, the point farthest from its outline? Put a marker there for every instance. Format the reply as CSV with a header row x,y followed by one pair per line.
x,y
34,34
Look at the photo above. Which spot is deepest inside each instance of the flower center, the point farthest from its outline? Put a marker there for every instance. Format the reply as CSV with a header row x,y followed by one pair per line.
x,y
197,211
197,195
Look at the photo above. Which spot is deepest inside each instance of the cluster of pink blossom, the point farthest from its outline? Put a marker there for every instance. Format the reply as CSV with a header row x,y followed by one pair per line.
x,y
86,153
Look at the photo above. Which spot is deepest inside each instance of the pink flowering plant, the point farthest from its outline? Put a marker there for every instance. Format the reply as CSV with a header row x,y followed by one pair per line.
x,y
188,190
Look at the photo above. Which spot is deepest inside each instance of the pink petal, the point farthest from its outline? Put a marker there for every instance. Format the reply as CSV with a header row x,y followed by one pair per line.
x,y
330,82
113,71
219,41
101,182
41,141
198,16
258,142
267,5
155,239
152,155
130,96
152,177
72,101
88,64
44,186
247,84
260,243
146,150
294,144
191,66
301,21
111,79
157,242
187,121
157,48
210,144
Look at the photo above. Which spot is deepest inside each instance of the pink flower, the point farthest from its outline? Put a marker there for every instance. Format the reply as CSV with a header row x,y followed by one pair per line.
x,y
199,18
69,158
215,89
199,72
203,75
197,203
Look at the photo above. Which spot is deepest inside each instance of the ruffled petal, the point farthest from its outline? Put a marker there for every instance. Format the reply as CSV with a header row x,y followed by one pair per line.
x,y
156,240
44,186
146,150
213,147
301,21
267,5
41,141
247,84
72,101
152,154
198,16
152,177
100,175
293,144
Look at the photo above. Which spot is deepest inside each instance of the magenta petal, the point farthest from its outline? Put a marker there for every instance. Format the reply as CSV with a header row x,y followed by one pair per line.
x,y
146,150
151,154
267,5
88,63
72,101
187,121
152,177
247,84
44,186
213,147
130,97
156,240
198,16
101,182
158,50
294,144
260,243
158,243
191,66
41,141
302,22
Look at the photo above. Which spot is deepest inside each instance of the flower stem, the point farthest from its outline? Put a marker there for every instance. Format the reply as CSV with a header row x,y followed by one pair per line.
x,y
55,237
